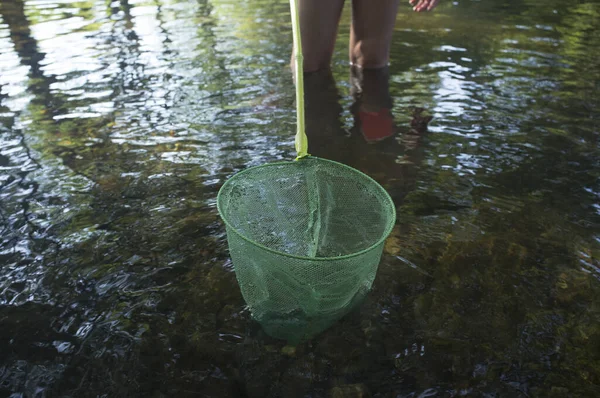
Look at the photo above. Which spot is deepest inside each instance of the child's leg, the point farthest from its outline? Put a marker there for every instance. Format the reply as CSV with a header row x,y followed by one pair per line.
x,y
372,102
318,26
371,33
372,87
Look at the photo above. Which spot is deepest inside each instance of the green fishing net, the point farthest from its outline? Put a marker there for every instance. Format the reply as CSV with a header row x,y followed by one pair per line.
x,y
305,238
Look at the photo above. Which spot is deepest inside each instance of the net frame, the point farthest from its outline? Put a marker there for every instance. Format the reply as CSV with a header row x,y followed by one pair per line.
x,y
359,173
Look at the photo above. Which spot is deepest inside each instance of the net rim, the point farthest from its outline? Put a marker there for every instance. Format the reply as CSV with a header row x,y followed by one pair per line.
x,y
380,241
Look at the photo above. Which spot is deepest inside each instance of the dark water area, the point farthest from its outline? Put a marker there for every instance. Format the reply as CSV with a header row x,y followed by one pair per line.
x,y
120,121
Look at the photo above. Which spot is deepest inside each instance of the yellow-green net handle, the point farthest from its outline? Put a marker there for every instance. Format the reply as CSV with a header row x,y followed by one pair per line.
x,y
301,140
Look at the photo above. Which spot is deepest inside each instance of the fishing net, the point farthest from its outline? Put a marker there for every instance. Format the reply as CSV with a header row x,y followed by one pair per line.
x,y
306,236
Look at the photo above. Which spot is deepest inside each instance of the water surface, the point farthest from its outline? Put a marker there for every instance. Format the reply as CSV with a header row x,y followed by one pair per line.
x,y
119,122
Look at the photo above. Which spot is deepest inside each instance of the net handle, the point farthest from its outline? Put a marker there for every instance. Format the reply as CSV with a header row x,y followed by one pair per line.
x,y
301,141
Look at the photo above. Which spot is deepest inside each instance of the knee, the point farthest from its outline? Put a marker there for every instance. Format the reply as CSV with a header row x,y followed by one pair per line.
x,y
369,53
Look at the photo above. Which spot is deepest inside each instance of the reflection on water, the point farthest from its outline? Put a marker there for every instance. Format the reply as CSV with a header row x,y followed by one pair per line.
x,y
120,120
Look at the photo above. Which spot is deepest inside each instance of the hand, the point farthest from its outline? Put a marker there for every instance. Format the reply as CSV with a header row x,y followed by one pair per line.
x,y
423,5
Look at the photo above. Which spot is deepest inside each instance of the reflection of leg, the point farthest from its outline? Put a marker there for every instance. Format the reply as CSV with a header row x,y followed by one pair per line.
x,y
373,119
371,33
373,103
318,26
393,162
324,129
372,86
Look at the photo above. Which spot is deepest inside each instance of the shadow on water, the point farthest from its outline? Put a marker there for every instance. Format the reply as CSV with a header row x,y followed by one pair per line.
x,y
119,121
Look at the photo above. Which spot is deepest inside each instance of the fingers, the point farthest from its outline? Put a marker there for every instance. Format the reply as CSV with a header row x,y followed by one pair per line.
x,y
432,4
423,5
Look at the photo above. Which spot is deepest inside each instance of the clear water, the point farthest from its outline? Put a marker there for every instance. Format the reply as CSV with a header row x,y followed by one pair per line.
x,y
119,122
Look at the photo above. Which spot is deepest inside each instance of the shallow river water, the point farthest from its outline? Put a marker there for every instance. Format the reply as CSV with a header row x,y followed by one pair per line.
x,y
120,121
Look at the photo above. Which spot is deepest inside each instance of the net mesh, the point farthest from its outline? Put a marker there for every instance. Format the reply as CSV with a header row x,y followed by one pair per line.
x,y
305,238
